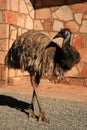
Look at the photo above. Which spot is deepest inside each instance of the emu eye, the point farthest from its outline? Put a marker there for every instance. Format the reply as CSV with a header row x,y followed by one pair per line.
x,y
67,33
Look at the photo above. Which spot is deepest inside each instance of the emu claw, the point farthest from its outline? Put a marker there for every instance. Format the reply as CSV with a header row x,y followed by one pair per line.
x,y
31,113
42,117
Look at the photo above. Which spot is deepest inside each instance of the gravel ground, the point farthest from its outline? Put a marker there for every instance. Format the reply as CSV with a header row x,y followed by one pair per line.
x,y
63,114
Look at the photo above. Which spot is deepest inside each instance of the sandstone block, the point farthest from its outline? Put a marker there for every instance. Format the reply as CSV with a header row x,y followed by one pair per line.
x,y
48,25
23,8
14,5
4,31
20,19
73,26
57,25
84,71
83,54
43,13
2,56
78,17
64,13
79,41
79,8
11,17
83,28
29,22
38,25
4,44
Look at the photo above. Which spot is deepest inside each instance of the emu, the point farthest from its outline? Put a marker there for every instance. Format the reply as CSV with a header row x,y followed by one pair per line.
x,y
36,53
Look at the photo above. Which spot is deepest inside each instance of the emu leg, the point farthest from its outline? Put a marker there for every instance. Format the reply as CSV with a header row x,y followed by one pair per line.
x,y
35,82
31,109
41,113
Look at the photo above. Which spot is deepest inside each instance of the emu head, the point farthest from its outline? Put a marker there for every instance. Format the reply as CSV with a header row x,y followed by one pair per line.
x,y
64,33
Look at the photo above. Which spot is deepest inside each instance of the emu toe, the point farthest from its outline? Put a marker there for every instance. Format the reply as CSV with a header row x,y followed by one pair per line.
x,y
42,117
31,111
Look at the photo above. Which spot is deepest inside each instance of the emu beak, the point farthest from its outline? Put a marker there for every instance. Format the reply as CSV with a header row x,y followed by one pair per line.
x,y
58,35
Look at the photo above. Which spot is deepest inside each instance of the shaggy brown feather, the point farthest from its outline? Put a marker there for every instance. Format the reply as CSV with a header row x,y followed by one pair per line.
x,y
34,51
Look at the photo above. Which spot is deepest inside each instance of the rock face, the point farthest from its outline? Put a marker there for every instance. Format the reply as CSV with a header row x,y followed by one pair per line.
x,y
64,13
83,28
57,25
73,17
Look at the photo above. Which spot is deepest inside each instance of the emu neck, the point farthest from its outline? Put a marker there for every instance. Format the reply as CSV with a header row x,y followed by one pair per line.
x,y
66,42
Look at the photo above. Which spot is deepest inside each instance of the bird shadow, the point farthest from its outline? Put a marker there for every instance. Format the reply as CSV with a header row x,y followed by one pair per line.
x,y
15,103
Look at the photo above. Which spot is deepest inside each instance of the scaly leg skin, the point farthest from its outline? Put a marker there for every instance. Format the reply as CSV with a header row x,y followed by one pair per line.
x,y
31,111
42,117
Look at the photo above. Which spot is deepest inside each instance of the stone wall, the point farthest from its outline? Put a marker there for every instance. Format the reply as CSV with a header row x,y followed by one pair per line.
x,y
17,16
74,17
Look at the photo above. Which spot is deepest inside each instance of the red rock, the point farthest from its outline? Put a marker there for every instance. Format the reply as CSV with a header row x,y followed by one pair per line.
x,y
57,25
38,25
85,16
23,7
4,17
14,34
8,4
83,28
11,73
4,30
48,25
84,71
79,7
78,17
11,17
3,74
73,26
27,1
2,56
3,4
20,19
54,8
4,44
43,13
83,54
15,5
64,13
28,22
72,72
0,16
79,42
18,80
86,41
0,72
80,66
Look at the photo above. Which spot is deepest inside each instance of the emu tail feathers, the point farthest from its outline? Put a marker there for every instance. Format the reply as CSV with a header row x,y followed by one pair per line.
x,y
9,60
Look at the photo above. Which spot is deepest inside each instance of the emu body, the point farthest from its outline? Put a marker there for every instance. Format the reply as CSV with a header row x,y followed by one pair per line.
x,y
36,53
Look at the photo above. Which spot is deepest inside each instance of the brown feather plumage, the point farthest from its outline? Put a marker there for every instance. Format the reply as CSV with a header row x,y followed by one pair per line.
x,y
36,53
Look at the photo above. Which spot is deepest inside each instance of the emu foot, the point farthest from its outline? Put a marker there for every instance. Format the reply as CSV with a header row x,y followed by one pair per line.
x,y
31,111
42,117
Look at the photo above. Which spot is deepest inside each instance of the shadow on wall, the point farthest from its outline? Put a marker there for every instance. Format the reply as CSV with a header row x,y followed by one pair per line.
x,y
49,3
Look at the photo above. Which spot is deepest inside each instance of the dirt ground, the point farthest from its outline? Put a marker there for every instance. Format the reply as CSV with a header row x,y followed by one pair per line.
x,y
48,89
